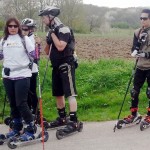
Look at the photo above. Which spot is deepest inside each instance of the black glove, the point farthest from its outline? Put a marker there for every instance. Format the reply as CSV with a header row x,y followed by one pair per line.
x,y
49,39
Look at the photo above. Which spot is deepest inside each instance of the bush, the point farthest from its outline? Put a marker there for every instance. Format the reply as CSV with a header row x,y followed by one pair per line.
x,y
121,25
2,25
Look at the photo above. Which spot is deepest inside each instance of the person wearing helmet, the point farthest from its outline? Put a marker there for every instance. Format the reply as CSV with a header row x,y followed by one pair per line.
x,y
63,73
28,26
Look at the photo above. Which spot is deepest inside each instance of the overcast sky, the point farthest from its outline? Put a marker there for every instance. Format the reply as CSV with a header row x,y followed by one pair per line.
x,y
119,3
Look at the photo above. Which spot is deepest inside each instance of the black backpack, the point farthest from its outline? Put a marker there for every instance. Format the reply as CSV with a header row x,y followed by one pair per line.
x,y
71,43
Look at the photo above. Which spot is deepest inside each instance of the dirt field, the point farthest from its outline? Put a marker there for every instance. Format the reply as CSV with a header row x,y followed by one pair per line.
x,y
92,48
95,48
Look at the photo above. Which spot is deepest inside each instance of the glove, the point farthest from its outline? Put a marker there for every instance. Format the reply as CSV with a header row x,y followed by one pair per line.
x,y
134,53
48,37
141,55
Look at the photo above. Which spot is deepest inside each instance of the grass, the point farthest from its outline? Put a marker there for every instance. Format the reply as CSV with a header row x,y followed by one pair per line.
x,y
101,87
112,33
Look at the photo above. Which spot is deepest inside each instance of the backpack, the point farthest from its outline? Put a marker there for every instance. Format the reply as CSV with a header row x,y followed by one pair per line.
x,y
71,45
71,42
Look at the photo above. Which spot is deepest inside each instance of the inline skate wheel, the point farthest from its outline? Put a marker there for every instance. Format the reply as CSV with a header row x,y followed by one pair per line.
x,y
80,127
119,124
7,120
2,138
46,125
46,136
142,126
11,144
59,134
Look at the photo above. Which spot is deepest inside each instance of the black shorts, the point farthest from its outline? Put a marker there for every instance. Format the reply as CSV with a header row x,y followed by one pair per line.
x,y
63,80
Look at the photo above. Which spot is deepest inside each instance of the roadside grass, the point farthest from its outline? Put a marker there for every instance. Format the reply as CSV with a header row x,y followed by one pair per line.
x,y
101,87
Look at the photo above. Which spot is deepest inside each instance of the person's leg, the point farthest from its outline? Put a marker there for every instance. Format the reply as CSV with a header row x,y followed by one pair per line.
x,y
15,114
68,79
57,91
32,92
21,93
148,92
139,79
138,82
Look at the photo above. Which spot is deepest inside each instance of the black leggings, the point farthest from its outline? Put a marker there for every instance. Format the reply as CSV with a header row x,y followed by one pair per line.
x,y
140,77
17,92
32,95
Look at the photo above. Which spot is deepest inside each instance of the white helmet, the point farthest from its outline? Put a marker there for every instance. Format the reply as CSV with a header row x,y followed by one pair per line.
x,y
28,22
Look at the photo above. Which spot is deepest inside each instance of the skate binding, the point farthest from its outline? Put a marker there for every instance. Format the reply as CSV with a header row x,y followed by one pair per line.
x,y
14,142
56,124
5,138
70,128
129,120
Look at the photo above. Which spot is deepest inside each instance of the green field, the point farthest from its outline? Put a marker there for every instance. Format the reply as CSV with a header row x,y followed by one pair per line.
x,y
101,87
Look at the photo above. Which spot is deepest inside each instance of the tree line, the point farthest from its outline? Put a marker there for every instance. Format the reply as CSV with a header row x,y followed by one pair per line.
x,y
81,17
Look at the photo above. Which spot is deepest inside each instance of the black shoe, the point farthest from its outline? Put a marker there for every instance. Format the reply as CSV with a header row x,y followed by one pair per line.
x,y
72,127
58,122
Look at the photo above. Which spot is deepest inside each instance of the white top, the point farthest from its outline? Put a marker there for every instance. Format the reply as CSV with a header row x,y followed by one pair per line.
x,y
35,67
15,56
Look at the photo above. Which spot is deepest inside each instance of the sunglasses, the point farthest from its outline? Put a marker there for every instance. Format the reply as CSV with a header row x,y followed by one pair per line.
x,y
143,18
11,26
25,29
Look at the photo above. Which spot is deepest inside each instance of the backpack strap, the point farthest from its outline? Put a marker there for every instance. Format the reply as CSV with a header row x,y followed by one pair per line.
x,y
31,59
137,32
3,42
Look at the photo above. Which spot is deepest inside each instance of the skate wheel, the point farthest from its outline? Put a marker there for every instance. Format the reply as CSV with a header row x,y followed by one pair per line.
x,y
11,144
7,120
142,126
59,134
1,142
80,127
46,136
2,139
45,124
119,124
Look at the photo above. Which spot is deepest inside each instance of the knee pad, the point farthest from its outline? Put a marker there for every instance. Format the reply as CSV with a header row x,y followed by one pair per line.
x,y
148,92
72,102
134,93
71,99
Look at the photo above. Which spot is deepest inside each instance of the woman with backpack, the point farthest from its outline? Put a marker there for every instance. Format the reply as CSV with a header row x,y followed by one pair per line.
x,y
16,75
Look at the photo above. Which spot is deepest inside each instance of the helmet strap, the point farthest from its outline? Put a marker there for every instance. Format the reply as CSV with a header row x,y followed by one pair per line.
x,y
50,21
30,33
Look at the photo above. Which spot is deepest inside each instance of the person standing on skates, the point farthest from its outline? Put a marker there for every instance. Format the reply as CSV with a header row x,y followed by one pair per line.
x,y
141,50
16,75
28,25
63,73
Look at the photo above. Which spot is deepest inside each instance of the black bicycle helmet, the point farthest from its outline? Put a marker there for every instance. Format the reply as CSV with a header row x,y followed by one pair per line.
x,y
50,11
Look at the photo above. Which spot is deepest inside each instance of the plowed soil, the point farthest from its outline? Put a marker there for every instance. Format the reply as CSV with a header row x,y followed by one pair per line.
x,y
93,48
96,48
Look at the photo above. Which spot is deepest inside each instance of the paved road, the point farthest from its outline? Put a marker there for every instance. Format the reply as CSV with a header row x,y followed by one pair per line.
x,y
95,136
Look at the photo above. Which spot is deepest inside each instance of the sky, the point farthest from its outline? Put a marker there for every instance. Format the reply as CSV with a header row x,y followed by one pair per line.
x,y
119,3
